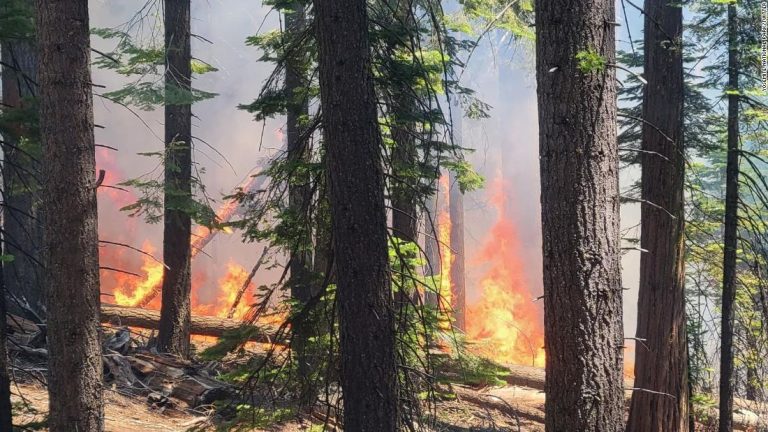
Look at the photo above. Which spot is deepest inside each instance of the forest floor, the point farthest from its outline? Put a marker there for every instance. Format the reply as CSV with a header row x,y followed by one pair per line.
x,y
467,412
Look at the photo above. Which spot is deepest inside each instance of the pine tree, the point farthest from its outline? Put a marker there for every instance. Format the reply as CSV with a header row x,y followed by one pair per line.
x,y
730,239
661,355
580,215
175,312
299,191
22,227
353,142
71,238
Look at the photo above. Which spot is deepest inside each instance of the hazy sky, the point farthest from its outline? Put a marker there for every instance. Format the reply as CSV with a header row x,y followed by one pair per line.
x,y
506,145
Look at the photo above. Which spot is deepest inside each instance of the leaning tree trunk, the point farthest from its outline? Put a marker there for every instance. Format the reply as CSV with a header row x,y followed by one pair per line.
x,y
353,140
71,238
730,234
22,219
173,335
580,215
661,363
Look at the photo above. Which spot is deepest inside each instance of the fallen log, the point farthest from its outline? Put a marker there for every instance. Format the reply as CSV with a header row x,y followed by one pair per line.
x,y
200,325
533,377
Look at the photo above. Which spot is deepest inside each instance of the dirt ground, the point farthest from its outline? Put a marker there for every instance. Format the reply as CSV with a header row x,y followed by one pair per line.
x,y
126,414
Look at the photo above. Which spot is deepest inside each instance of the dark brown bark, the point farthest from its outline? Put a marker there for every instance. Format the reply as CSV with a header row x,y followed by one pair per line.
x,y
353,140
71,238
730,234
661,363
580,216
173,335
6,410
22,225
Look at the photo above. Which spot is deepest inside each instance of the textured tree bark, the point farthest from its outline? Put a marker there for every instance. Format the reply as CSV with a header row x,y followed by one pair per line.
x,y
299,198
353,140
458,272
22,219
6,409
730,233
580,216
71,238
661,362
173,335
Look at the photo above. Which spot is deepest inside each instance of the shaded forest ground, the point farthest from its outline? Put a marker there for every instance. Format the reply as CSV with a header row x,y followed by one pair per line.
x,y
465,413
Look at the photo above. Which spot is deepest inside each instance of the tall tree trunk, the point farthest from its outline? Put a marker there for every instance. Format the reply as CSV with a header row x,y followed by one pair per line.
x,y
6,409
22,225
580,216
299,194
661,363
402,106
456,206
71,238
730,240
353,140
299,197
173,335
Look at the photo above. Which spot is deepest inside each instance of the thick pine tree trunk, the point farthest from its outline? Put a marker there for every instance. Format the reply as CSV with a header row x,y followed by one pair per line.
x,y
730,234
22,219
580,217
353,140
71,238
173,335
661,363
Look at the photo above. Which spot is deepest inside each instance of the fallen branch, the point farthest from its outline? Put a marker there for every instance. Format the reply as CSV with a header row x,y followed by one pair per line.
x,y
247,282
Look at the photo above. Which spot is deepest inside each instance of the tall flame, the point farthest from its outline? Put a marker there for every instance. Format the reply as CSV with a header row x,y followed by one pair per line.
x,y
504,324
446,254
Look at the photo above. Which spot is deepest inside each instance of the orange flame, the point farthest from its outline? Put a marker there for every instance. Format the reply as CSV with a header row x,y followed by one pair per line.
x,y
505,324
129,291
446,255
132,290
229,286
